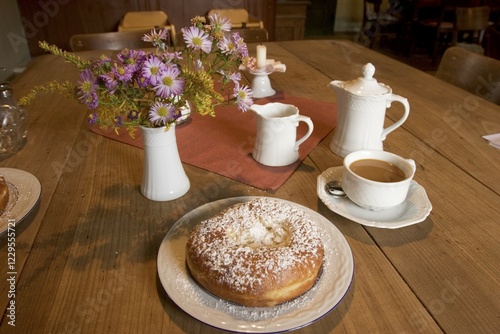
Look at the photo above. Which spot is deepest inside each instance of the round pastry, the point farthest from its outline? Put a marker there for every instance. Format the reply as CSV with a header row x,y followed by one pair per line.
x,y
258,253
4,194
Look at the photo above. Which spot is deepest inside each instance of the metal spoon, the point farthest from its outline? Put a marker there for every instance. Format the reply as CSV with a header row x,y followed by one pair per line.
x,y
334,189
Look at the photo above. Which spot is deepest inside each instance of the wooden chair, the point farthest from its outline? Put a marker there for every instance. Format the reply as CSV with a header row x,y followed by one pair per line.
x,y
142,20
477,74
253,35
470,26
239,18
381,23
492,41
250,35
146,20
117,40
433,21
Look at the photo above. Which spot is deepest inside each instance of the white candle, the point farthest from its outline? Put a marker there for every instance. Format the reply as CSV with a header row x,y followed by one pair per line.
x,y
261,56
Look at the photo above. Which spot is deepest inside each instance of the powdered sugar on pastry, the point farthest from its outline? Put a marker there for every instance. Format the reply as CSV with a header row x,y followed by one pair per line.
x,y
258,253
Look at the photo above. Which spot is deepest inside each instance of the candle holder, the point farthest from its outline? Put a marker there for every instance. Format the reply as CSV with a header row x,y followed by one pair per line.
x,y
261,85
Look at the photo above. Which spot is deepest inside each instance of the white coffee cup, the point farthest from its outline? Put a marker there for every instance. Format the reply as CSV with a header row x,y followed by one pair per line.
x,y
377,195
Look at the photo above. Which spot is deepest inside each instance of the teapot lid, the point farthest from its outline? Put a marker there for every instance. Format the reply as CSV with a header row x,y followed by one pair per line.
x,y
367,84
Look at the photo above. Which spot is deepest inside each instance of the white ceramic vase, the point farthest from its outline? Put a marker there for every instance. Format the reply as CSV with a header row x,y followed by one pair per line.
x,y
164,178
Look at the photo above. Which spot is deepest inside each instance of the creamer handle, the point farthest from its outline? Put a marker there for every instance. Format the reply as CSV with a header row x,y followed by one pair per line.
x,y
404,102
310,129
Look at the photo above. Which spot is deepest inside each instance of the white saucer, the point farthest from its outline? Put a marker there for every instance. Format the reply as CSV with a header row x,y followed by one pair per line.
x,y
24,193
413,210
329,290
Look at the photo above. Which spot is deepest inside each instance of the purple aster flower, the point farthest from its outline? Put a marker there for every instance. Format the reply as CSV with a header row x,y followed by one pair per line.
x,y
92,101
123,55
156,38
133,59
219,22
243,97
228,76
139,55
234,77
122,73
153,70
197,39
110,82
118,121
133,115
173,55
101,65
170,83
241,46
88,82
87,89
162,113
143,82
93,118
227,46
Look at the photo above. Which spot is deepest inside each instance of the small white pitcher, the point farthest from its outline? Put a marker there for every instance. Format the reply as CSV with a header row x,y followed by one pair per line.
x,y
276,143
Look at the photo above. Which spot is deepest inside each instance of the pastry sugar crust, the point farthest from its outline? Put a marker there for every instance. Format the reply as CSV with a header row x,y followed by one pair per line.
x,y
258,253
4,194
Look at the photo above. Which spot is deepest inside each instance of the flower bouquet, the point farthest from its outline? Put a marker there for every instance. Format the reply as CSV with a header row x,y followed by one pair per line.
x,y
151,88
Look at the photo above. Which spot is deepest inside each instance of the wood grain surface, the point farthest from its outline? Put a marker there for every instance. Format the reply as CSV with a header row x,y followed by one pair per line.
x,y
86,256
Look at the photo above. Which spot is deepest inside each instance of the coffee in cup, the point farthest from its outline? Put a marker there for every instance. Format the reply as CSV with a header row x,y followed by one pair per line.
x,y
377,170
377,180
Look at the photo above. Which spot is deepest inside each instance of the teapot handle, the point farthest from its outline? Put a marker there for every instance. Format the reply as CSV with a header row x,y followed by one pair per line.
x,y
310,129
404,102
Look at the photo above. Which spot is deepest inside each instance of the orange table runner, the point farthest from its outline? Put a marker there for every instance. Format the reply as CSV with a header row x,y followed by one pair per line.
x,y
223,144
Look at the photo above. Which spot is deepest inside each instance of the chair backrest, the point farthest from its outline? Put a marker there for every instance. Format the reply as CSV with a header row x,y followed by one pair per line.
x,y
147,20
235,15
239,17
143,20
473,72
473,21
249,35
109,41
253,35
472,18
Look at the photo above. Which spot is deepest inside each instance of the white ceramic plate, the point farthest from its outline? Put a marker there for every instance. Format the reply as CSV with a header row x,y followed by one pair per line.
x,y
413,210
329,290
24,193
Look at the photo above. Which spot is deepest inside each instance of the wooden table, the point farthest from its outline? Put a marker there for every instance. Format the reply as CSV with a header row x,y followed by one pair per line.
x,y
86,257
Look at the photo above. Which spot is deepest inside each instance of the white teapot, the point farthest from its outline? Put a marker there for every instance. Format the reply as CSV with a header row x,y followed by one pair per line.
x,y
361,112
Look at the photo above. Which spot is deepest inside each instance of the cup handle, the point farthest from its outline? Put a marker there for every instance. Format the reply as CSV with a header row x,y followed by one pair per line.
x,y
404,102
413,165
310,127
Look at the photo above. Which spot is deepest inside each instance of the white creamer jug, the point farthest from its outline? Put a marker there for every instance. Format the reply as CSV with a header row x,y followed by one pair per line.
x,y
276,143
361,112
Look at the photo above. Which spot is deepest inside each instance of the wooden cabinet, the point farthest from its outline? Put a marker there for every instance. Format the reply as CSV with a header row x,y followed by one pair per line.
x,y
290,19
